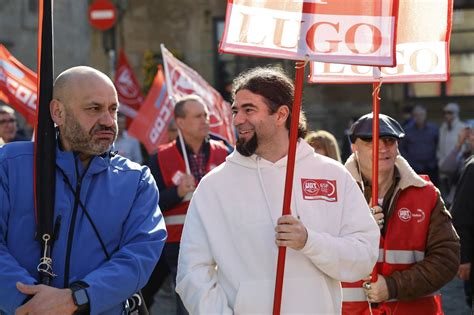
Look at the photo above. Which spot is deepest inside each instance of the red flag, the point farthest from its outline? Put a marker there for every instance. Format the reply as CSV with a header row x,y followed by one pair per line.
x,y
151,122
422,49
128,89
18,86
182,80
343,31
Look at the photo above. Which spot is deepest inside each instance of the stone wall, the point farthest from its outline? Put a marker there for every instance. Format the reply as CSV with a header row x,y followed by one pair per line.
x,y
184,26
19,28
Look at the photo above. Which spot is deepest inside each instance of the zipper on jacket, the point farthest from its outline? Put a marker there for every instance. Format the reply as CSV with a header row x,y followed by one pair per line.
x,y
77,196
71,233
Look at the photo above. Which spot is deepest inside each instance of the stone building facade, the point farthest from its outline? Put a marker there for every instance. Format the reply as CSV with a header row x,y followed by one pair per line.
x,y
191,29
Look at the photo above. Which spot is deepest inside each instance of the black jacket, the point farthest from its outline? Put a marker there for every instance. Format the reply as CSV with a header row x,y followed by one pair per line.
x,y
463,212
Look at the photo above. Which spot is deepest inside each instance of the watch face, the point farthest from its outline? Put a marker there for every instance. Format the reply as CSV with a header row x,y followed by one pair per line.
x,y
80,297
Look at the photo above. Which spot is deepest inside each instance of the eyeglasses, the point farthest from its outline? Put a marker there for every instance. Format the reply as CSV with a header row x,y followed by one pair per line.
x,y
7,121
388,141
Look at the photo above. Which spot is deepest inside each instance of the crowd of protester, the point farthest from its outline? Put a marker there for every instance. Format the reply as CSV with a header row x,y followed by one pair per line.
x,y
444,154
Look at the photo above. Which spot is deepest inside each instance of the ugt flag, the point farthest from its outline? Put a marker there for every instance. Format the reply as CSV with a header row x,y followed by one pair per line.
x,y
151,122
341,31
18,86
128,89
424,29
182,81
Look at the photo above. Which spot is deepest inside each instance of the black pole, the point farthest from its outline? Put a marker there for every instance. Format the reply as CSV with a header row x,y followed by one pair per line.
x,y
45,142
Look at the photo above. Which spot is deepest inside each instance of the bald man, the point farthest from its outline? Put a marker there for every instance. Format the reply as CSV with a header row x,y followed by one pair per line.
x,y
109,231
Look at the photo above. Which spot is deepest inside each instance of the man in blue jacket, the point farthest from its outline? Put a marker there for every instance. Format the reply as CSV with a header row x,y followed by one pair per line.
x,y
109,227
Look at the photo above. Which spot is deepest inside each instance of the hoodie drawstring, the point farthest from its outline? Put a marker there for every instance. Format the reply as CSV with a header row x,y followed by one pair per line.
x,y
262,186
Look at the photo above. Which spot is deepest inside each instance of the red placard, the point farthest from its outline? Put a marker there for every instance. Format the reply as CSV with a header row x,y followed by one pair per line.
x,y
102,14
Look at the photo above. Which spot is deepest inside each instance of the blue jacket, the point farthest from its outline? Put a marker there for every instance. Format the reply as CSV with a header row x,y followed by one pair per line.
x,y
122,200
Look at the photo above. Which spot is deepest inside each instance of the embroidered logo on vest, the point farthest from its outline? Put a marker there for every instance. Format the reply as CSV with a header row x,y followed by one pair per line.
x,y
405,215
419,215
319,189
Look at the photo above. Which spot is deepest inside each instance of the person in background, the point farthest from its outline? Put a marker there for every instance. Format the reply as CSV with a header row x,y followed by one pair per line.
x,y
420,143
448,137
126,145
419,250
8,125
172,131
462,210
175,184
407,116
346,150
234,225
454,163
324,143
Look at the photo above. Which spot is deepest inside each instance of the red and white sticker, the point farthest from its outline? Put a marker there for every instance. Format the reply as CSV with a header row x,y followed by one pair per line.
x,y
319,189
405,215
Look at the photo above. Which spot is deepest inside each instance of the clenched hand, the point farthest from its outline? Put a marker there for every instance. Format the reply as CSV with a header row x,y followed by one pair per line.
x,y
290,232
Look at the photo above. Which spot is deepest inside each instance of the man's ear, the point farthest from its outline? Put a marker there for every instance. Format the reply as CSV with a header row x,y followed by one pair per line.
x,y
354,148
179,122
57,111
283,113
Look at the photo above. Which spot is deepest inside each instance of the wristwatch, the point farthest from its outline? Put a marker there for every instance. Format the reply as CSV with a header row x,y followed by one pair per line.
x,y
80,298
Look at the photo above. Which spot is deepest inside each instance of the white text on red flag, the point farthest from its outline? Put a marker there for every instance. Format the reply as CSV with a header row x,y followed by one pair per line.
x,y
150,125
128,89
18,86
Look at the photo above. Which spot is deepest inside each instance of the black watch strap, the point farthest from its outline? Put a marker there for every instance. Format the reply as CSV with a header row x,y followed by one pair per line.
x,y
80,297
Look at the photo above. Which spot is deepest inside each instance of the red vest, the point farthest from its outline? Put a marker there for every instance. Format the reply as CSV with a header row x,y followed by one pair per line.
x,y
172,166
403,246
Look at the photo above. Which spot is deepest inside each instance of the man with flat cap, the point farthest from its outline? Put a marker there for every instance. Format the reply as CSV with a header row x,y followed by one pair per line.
x,y
419,248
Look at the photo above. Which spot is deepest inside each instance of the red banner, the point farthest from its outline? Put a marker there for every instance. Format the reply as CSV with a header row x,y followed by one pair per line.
x,y
182,81
18,86
150,125
128,89
422,49
342,31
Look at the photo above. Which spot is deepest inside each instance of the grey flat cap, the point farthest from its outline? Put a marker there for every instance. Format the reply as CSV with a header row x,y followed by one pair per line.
x,y
388,127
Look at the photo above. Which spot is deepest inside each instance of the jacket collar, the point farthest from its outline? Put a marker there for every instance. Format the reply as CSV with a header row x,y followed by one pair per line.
x,y
67,160
408,177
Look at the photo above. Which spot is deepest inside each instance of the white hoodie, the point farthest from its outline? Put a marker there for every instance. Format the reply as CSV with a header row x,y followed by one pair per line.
x,y
227,260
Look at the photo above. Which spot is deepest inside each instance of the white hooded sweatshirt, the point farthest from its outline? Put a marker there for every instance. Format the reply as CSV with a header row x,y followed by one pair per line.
x,y
227,260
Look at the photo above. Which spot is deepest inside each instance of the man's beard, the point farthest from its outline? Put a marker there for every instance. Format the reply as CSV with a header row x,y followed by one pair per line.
x,y
247,148
82,141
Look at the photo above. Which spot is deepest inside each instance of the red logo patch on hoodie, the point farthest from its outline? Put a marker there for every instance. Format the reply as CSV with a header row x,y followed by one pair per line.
x,y
319,189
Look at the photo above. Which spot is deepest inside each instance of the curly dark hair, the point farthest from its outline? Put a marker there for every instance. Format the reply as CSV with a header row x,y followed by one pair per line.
x,y
274,85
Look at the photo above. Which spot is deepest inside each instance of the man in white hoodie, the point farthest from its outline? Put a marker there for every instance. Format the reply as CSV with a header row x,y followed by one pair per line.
x,y
228,255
